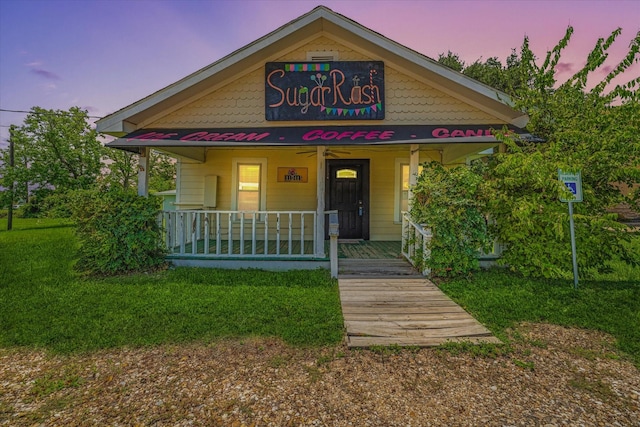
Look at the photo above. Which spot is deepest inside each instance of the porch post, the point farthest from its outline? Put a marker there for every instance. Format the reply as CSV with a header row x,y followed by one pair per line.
x,y
143,172
320,167
414,160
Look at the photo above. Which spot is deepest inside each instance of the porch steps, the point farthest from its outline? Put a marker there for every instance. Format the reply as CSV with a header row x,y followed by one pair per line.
x,y
405,311
375,268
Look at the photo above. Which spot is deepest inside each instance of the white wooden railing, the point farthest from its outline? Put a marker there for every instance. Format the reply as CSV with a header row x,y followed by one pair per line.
x,y
415,243
241,234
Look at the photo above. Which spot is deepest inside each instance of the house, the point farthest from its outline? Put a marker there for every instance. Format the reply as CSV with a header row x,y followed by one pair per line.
x,y
321,115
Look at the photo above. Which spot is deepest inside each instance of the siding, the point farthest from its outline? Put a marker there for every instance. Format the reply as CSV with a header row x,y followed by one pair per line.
x,y
241,102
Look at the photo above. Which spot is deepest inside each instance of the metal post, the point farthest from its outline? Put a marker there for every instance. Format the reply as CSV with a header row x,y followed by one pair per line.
x,y
573,246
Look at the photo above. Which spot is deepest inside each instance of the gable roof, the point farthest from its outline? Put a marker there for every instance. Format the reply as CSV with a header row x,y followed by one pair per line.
x,y
320,20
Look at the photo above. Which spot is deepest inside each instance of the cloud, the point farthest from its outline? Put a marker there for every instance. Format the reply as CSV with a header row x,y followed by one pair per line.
x,y
564,67
606,69
49,75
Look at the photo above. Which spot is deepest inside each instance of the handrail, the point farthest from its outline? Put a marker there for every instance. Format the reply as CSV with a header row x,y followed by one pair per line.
x,y
243,234
415,243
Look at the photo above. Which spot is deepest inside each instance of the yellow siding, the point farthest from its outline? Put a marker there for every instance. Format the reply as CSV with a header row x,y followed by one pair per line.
x,y
280,195
302,196
241,102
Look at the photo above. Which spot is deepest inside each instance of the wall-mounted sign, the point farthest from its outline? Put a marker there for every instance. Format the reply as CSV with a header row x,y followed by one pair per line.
x,y
324,90
293,174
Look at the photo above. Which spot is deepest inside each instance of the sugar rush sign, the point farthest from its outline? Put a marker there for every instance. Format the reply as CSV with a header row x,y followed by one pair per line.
x,y
351,90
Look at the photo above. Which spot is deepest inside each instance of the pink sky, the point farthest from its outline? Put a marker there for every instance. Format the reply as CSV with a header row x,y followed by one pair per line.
x,y
103,55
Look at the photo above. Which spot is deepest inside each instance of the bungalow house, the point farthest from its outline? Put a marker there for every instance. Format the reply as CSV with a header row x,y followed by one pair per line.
x,y
321,115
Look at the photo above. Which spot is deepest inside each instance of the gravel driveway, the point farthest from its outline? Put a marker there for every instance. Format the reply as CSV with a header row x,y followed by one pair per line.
x,y
553,376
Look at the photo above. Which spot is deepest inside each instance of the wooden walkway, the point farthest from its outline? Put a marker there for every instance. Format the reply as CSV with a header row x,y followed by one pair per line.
x,y
407,311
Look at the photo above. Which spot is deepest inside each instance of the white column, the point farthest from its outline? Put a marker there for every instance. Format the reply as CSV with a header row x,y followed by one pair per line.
x,y
414,161
143,172
320,189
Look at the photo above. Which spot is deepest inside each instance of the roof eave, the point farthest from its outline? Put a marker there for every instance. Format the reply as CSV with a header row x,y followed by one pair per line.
x,y
320,19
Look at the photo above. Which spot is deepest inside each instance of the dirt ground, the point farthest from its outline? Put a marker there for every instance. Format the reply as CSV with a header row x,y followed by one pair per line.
x,y
553,376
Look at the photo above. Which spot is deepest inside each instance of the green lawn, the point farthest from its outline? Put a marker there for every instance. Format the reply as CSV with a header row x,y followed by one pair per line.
x,y
43,303
500,300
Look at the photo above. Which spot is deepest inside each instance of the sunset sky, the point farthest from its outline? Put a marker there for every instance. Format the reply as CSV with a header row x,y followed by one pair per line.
x,y
103,55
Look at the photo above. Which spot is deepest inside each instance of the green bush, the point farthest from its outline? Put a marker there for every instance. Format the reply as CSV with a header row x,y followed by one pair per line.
x,y
118,232
450,202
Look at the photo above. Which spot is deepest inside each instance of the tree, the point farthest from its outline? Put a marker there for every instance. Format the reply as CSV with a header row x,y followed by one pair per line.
x,y
451,60
14,178
55,149
123,170
162,172
509,78
595,130
589,124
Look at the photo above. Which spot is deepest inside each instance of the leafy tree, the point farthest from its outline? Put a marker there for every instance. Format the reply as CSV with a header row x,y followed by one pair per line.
x,y
451,60
14,177
123,170
162,173
589,124
61,148
595,130
509,78
54,149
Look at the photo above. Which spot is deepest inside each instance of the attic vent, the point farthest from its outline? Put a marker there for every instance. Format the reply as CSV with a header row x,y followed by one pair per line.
x,y
322,56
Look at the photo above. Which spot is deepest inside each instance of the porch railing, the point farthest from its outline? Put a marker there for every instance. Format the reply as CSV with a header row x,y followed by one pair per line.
x,y
283,234
415,243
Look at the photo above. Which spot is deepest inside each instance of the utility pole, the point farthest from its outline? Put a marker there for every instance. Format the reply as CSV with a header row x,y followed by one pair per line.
x,y
12,185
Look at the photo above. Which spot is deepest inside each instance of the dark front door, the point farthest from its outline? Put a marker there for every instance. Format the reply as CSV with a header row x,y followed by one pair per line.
x,y
347,191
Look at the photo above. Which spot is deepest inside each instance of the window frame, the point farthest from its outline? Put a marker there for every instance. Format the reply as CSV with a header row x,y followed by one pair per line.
x,y
397,187
262,186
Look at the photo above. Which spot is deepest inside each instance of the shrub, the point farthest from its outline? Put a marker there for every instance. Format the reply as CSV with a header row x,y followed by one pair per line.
x,y
118,232
450,202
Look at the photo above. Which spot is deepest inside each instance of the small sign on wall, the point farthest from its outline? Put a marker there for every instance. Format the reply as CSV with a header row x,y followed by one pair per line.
x,y
293,174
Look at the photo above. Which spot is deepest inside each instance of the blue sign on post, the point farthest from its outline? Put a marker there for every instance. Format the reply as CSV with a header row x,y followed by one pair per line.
x,y
573,181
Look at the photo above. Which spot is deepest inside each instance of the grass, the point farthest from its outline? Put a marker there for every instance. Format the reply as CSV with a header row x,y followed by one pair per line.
x,y
44,304
500,300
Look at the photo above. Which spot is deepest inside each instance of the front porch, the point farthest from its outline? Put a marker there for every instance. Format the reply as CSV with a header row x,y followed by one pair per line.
x,y
273,240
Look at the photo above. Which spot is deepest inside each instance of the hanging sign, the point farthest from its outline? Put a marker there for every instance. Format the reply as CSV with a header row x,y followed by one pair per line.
x,y
573,181
329,90
290,174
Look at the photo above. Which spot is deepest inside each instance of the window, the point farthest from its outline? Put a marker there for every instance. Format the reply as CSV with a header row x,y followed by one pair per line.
x,y
402,188
404,195
346,173
249,184
248,187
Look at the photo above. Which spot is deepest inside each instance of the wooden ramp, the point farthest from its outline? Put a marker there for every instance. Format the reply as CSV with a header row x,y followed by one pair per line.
x,y
407,311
